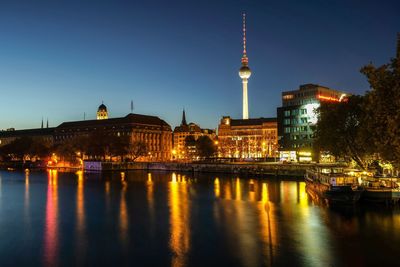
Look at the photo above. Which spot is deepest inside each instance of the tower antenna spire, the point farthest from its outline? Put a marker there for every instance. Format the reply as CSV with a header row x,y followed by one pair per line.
x,y
245,72
245,60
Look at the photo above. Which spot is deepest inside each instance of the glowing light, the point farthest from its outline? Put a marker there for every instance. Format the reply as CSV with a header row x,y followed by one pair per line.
x,y
179,241
217,189
123,213
238,189
80,212
51,221
328,98
173,178
312,111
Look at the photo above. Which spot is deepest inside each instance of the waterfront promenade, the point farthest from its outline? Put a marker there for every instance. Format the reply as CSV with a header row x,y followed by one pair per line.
x,y
263,168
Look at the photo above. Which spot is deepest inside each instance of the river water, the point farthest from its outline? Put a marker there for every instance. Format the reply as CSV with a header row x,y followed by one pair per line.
x,y
170,219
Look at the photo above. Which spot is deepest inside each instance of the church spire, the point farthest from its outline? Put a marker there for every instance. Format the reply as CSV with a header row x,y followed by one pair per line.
x,y
183,118
47,123
42,123
245,60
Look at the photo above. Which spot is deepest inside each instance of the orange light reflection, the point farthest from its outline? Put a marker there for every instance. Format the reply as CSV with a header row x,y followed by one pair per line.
x,y
51,221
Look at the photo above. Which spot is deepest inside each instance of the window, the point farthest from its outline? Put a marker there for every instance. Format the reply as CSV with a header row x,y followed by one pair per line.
x,y
295,112
287,113
286,122
287,129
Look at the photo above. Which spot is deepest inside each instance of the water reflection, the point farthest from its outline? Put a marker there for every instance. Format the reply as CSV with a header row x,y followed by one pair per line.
x,y
150,202
51,220
123,213
179,220
80,217
268,226
207,221
80,203
26,196
238,190
217,188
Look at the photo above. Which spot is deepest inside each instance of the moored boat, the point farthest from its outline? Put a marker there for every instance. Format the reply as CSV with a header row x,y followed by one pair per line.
x,y
380,190
333,185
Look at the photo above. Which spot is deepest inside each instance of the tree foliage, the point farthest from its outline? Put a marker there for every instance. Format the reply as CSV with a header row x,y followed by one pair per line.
x,y
205,147
382,107
137,149
368,125
23,147
339,129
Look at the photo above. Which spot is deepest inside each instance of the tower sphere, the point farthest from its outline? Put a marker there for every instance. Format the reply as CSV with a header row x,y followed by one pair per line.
x,y
244,72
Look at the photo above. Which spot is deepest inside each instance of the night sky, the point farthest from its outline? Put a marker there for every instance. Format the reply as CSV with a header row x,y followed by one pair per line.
x,y
59,59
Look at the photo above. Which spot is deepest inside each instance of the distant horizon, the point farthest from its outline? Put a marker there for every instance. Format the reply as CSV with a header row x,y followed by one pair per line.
x,y
61,60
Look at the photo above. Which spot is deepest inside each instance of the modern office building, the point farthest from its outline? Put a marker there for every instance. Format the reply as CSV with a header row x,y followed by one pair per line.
x,y
297,119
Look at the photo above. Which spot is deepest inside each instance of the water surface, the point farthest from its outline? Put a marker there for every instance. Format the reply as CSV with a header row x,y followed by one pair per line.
x,y
170,219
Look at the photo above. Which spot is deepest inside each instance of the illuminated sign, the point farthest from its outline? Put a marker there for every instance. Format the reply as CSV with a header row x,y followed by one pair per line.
x,y
328,98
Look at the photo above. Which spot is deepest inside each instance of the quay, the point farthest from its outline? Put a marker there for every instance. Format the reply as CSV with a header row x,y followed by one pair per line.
x,y
265,169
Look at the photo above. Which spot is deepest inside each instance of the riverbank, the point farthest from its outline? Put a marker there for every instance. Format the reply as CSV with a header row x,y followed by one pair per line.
x,y
268,169
242,168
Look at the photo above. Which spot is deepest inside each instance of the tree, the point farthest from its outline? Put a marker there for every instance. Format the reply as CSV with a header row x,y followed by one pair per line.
x,y
119,145
72,149
382,108
23,147
137,149
205,147
339,129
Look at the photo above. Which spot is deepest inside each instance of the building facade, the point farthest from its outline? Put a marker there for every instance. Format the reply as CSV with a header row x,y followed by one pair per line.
x,y
248,138
181,132
297,119
42,134
102,113
152,131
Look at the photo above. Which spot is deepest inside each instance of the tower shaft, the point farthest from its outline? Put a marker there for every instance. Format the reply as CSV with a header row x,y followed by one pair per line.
x,y
245,100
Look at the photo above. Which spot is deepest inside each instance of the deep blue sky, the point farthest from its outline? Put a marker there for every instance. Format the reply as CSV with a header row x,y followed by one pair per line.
x,y
59,59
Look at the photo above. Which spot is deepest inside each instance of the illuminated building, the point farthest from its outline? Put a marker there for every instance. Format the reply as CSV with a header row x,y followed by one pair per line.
x,y
102,113
249,138
154,132
184,130
297,118
245,72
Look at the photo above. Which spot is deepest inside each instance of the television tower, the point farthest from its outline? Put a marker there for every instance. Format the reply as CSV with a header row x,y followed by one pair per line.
x,y
245,72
